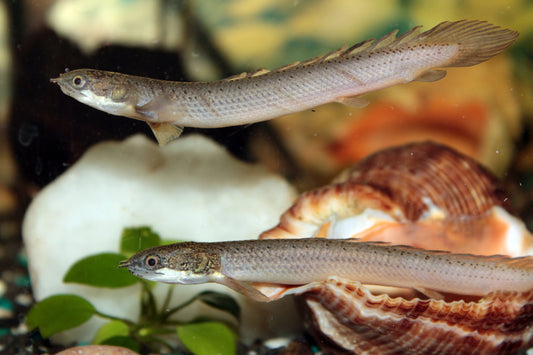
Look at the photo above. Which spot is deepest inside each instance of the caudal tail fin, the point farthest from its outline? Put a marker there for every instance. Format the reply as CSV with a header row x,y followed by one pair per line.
x,y
479,40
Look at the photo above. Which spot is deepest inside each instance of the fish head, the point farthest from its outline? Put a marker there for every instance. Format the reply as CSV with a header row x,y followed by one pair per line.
x,y
182,263
99,89
79,83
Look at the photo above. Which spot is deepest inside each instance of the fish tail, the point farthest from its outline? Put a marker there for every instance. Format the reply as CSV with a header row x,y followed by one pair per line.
x,y
479,40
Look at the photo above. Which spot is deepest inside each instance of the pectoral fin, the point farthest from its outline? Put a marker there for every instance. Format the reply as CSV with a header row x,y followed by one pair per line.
x,y
160,109
165,132
154,110
242,288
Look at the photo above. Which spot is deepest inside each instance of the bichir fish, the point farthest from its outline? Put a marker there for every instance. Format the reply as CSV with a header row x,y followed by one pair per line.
x,y
302,261
340,76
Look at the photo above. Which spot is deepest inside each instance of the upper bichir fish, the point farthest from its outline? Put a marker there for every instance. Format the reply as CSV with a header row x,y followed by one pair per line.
x,y
339,76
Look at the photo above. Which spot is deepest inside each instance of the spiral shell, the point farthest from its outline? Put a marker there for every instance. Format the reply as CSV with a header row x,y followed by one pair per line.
x,y
422,194
428,196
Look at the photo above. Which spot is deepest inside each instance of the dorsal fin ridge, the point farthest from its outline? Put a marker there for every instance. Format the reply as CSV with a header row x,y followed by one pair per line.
x,y
479,40
236,77
388,41
263,71
251,74
525,262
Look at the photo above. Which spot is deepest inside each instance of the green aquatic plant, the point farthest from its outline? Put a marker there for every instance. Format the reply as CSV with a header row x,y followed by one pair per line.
x,y
155,327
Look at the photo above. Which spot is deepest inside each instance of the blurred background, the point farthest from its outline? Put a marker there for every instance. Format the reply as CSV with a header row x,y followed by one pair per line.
x,y
484,111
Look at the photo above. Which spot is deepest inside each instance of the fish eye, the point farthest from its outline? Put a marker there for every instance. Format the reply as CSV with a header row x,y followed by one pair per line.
x,y
151,261
78,81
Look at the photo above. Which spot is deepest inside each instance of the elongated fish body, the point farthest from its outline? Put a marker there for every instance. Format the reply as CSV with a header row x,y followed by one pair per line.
x,y
301,261
338,76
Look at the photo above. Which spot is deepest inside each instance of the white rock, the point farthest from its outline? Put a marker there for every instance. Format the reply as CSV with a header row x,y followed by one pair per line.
x,y
93,23
191,189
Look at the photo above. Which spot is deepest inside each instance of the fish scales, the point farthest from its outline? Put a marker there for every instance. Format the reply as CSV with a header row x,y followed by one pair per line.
x,y
309,260
339,76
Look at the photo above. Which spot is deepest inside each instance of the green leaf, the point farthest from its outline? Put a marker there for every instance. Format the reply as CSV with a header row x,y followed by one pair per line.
x,y
100,270
109,330
221,301
58,313
134,240
207,338
123,341
170,241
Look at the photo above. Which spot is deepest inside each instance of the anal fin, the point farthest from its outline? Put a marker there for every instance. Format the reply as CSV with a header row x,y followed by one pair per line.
x,y
431,75
354,101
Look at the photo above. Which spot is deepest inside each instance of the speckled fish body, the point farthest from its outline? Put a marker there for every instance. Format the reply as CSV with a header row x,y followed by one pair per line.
x,y
339,76
302,261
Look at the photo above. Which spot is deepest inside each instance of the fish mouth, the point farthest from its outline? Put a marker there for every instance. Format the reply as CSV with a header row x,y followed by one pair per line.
x,y
54,80
124,263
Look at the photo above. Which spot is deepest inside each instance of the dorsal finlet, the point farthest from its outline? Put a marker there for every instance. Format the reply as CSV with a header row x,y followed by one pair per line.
x,y
334,54
359,47
288,66
384,41
237,76
258,72
407,36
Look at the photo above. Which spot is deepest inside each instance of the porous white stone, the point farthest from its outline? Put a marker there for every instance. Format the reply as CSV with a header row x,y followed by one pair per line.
x,y
191,189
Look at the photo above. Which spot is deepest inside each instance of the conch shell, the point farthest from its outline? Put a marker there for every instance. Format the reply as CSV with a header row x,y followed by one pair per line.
x,y
425,195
